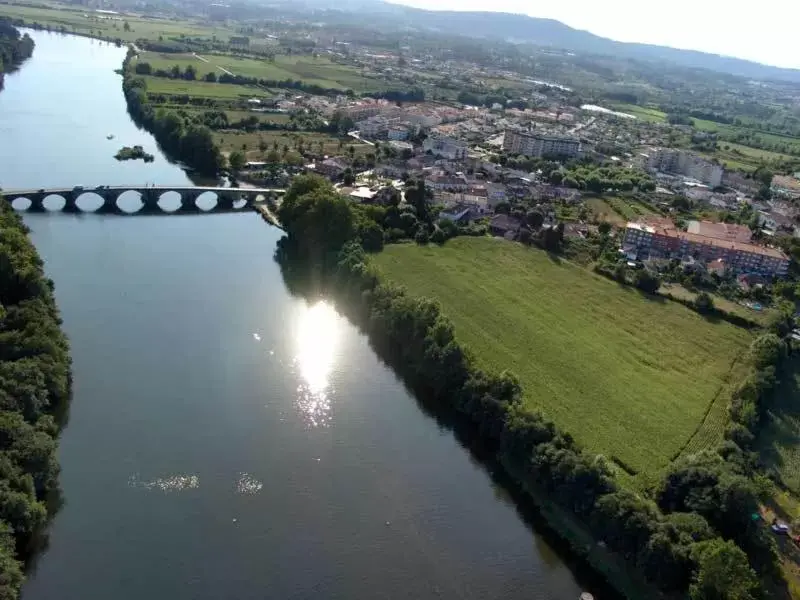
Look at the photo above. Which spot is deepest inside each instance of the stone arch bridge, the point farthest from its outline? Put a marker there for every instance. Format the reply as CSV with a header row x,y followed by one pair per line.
x,y
227,199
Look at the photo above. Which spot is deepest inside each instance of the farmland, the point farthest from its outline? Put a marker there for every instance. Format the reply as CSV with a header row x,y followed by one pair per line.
x,y
313,70
630,377
202,89
250,142
647,114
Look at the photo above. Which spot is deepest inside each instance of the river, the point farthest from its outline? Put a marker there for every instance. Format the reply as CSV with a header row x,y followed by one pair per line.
x,y
228,439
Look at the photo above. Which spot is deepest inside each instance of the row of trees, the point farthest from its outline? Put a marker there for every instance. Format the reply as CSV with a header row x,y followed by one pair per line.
x,y
679,544
183,136
14,48
34,396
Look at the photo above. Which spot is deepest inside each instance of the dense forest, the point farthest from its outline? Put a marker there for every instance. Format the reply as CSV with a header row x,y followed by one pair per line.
x,y
35,385
692,534
14,48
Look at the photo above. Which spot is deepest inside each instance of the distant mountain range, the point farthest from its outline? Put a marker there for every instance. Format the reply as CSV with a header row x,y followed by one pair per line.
x,y
554,34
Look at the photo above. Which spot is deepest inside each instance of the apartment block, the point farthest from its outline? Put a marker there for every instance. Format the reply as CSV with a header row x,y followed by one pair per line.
x,y
663,241
668,160
536,145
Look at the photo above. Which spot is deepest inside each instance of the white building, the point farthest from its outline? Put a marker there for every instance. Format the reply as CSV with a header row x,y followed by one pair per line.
x,y
668,160
530,144
445,147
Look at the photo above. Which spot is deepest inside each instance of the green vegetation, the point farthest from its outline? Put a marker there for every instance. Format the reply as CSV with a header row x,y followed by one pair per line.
x,y
202,89
136,152
34,395
779,440
182,135
583,347
647,114
14,48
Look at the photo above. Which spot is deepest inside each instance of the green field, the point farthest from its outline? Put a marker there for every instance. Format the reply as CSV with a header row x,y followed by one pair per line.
x,y
203,89
250,142
309,69
602,211
87,22
644,113
630,377
779,442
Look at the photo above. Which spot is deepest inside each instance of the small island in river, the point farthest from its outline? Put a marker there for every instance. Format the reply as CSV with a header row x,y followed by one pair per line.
x,y
128,153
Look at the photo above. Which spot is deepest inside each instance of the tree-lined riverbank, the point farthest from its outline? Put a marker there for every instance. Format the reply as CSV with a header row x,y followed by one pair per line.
x,y
34,397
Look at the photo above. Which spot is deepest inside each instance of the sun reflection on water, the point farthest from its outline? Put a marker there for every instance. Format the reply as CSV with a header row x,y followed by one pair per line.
x,y
317,342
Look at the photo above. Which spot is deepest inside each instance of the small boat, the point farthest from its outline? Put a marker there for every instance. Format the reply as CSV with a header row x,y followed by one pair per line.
x,y
110,136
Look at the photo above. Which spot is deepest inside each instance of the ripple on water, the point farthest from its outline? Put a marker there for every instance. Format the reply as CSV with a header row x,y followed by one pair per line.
x,y
172,483
247,484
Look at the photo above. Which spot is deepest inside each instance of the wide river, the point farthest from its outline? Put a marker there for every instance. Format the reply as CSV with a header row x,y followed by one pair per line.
x,y
228,439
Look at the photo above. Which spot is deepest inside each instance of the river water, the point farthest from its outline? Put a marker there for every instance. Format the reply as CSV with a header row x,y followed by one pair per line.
x,y
228,439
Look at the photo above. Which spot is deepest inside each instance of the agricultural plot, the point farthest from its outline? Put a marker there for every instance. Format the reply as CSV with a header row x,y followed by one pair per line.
x,y
250,143
631,377
603,212
309,69
643,113
202,89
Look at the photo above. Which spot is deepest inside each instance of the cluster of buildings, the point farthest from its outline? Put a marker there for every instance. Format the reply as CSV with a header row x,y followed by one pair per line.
x,y
719,246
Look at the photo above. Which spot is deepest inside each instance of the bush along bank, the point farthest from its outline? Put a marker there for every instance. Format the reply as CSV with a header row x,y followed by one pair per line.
x,y
14,48
677,545
182,136
34,397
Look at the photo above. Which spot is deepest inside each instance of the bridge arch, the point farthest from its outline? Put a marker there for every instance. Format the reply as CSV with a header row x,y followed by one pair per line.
x,y
89,202
54,202
206,201
129,202
170,201
21,203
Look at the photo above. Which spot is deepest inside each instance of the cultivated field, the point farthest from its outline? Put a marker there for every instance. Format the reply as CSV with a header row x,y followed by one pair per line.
x,y
250,142
317,71
628,376
202,89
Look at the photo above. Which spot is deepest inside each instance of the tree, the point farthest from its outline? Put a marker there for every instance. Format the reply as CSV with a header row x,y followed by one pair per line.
x,y
273,156
237,160
604,228
646,281
704,303
210,77
190,73
293,159
348,178
417,196
534,218
723,572
126,26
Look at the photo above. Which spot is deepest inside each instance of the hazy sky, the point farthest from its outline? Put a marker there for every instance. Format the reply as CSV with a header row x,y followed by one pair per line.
x,y
766,31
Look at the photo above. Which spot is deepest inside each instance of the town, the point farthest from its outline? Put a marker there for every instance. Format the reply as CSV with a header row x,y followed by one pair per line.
x,y
497,263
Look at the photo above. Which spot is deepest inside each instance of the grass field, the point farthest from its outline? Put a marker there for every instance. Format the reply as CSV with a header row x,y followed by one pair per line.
x,y
85,21
629,210
779,442
202,89
603,212
630,377
249,142
644,113
317,71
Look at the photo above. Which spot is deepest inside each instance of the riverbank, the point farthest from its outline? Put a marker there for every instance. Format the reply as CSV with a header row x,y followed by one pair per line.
x,y
648,534
35,388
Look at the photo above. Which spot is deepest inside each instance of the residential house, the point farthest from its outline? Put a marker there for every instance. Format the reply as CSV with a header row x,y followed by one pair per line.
x,y
504,226
460,213
332,168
